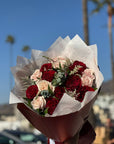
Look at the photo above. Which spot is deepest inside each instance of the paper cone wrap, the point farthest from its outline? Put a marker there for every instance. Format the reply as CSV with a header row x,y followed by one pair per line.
x,y
59,128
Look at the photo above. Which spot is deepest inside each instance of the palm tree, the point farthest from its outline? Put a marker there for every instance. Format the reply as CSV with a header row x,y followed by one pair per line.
x,y
110,11
26,49
86,39
85,21
10,39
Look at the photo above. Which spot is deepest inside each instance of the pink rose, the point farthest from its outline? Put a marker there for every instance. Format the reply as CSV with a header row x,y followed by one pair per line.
x,y
43,85
57,61
36,75
38,102
87,77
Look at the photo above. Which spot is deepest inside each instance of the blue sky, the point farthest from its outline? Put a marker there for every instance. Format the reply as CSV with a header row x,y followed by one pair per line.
x,y
38,23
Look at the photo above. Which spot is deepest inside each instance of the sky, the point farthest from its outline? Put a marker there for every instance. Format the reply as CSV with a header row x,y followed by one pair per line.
x,y
38,23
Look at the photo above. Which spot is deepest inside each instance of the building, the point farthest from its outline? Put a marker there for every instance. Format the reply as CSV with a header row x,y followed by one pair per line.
x,y
11,118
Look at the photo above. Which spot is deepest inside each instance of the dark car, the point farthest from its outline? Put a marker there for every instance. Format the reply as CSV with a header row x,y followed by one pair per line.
x,y
6,138
28,137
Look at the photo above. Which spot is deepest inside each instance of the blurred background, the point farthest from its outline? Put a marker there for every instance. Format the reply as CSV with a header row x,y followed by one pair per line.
x,y
36,24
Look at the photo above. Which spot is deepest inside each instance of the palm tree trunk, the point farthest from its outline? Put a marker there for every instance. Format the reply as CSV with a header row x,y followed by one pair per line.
x,y
86,39
111,43
85,21
11,61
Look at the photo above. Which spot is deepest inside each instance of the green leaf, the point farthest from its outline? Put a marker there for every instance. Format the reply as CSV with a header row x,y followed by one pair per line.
x,y
58,80
60,66
94,88
37,110
55,69
45,111
44,92
49,59
28,102
54,82
40,112
50,91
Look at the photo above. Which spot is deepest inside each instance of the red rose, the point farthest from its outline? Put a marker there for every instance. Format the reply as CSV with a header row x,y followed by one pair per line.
x,y
59,91
78,63
48,75
31,91
51,104
82,92
46,67
87,88
73,82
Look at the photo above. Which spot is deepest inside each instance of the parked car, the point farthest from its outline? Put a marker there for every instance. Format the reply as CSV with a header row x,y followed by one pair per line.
x,y
6,138
28,137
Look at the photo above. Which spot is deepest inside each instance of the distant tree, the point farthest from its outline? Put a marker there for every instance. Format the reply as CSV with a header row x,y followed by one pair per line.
x,y
26,50
110,11
10,39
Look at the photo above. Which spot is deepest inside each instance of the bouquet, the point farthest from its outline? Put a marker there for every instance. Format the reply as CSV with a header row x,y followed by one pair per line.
x,y
55,89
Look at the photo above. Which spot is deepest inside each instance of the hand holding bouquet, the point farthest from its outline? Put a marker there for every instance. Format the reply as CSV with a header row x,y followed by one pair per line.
x,y
58,87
